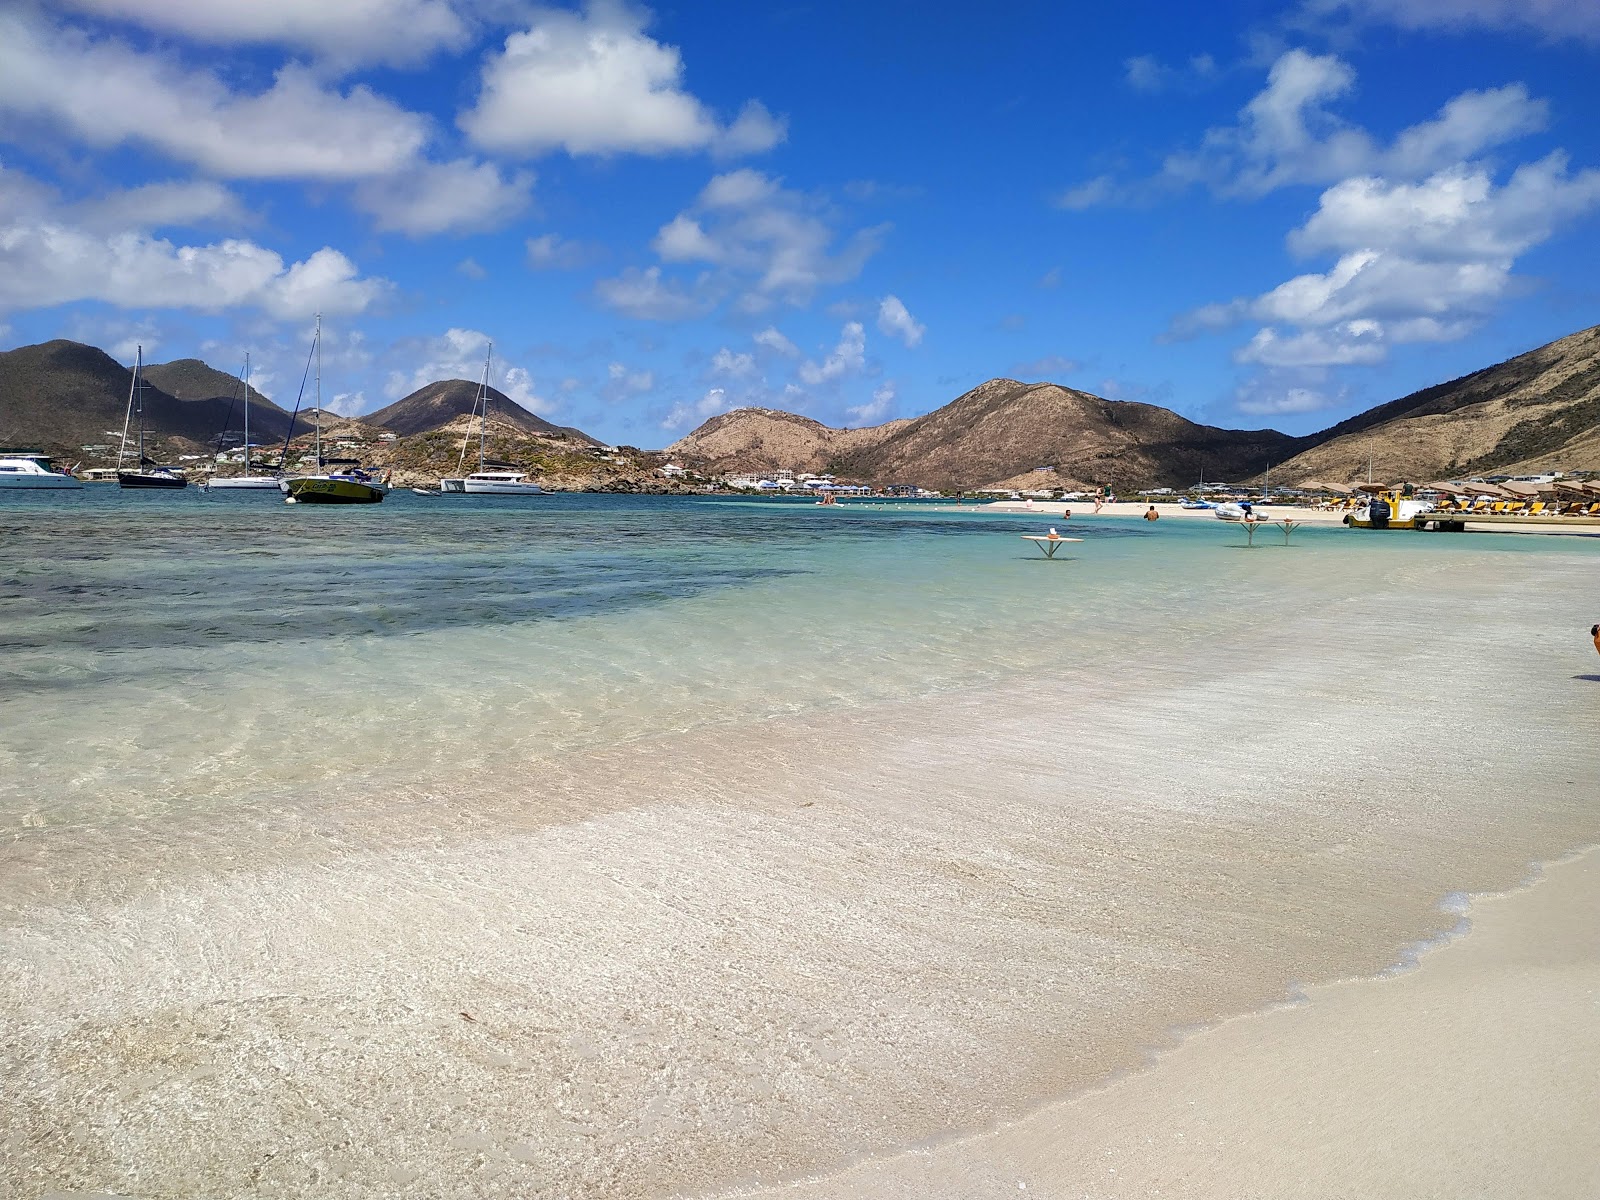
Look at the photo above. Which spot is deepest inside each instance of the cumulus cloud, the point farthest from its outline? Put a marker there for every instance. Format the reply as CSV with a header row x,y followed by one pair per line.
x,y
397,32
1289,134
44,263
713,403
896,321
1269,397
735,366
875,412
594,82
460,354
463,196
107,94
552,252
1416,262
770,242
1548,18
648,297
623,381
848,357
771,339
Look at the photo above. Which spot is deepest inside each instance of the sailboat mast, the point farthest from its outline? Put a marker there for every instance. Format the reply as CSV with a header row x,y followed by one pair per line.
x,y
127,419
483,397
247,412
319,390
138,386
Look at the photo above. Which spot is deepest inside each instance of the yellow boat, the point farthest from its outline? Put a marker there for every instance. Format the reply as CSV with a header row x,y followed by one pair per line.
x,y
352,487
1388,509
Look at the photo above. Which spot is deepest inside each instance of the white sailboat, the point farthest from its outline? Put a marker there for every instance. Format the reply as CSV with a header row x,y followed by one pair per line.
x,y
145,474
486,481
247,481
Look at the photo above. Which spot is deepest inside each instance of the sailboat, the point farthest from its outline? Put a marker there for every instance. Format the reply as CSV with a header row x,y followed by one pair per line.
x,y
146,473
486,481
352,486
247,481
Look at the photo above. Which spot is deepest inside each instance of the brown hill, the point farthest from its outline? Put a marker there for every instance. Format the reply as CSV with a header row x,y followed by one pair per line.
x,y
60,396
191,379
1540,409
997,430
438,404
765,439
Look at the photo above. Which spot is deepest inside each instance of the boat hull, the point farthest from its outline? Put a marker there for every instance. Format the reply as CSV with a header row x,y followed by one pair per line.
x,y
316,490
245,483
479,487
39,483
151,480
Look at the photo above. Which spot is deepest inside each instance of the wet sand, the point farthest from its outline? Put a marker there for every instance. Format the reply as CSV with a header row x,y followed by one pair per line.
x,y
1474,1073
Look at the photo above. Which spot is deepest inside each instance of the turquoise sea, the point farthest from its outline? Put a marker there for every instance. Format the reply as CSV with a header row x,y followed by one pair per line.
x,y
655,846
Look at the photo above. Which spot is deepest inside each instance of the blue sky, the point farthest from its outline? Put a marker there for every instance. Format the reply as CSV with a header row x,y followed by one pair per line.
x,y
1276,214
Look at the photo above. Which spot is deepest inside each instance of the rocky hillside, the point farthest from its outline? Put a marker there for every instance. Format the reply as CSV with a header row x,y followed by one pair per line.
x,y
764,439
1540,410
191,379
437,405
997,430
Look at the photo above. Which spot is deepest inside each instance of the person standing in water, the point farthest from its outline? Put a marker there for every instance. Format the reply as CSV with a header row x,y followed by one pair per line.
x,y
1594,632
1152,514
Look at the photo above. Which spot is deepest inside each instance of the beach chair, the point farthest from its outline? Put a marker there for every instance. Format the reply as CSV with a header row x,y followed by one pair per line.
x,y
1537,507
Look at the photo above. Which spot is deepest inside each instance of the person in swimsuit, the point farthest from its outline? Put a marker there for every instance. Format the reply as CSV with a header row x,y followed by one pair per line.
x,y
1152,514
1594,632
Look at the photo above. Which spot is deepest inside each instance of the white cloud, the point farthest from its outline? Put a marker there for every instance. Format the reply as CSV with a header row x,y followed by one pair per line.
x,y
552,252
472,269
1269,399
648,297
1351,343
1550,18
713,403
1416,262
772,340
1456,214
1288,134
896,321
462,196
735,366
45,263
1050,279
596,83
107,95
460,354
624,381
873,413
347,31
1146,73
162,205
752,229
848,357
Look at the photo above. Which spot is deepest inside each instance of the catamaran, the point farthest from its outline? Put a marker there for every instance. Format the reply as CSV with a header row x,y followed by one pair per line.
x,y
489,479
351,486
146,473
32,470
247,481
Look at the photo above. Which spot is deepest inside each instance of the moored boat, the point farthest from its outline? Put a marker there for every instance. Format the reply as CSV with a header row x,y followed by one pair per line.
x,y
146,473
31,470
490,479
354,486
245,482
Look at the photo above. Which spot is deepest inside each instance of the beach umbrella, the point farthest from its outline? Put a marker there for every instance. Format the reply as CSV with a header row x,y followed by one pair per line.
x,y
1338,489
1454,489
1484,489
1592,486
1568,485
1517,488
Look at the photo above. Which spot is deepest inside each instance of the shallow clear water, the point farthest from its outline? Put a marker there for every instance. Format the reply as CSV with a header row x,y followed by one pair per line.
x,y
753,836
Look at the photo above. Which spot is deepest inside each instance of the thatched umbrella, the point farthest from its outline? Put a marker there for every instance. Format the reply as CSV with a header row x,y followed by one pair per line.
x,y
1517,488
1485,489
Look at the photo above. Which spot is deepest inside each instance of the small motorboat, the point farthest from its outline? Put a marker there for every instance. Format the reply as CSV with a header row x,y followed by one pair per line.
x,y
1204,505
1237,512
